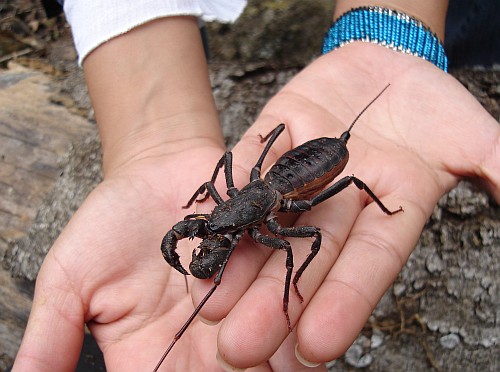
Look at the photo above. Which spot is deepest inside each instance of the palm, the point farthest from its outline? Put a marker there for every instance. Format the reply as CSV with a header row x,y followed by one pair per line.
x,y
410,147
109,259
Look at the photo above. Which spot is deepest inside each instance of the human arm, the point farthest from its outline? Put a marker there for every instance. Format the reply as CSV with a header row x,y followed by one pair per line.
x,y
106,267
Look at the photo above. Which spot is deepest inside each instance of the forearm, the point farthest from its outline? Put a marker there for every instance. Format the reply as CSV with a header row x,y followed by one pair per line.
x,y
150,91
430,12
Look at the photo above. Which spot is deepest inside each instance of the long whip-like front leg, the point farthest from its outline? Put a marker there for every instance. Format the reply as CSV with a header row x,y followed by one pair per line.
x,y
236,238
185,326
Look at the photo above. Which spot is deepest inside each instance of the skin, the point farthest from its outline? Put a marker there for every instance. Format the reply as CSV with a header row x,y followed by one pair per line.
x,y
161,139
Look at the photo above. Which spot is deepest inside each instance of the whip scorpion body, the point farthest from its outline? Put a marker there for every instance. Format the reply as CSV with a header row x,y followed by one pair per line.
x,y
295,183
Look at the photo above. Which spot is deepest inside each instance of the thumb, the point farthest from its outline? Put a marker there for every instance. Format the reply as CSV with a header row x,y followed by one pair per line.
x,y
54,334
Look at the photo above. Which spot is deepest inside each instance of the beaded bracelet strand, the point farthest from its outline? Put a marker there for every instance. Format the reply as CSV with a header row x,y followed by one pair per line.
x,y
392,29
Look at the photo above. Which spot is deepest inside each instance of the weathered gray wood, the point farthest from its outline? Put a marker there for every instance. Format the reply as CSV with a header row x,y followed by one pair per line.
x,y
34,133
15,304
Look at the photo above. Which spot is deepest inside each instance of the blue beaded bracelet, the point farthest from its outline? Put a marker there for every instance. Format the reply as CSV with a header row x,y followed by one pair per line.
x,y
389,28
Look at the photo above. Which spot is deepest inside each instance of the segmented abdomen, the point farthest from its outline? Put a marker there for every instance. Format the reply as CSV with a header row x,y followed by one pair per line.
x,y
304,171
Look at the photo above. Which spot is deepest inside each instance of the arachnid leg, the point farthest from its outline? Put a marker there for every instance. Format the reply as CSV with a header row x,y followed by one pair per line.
x,y
278,243
255,173
297,232
209,256
168,247
208,188
299,206
183,229
234,242
342,184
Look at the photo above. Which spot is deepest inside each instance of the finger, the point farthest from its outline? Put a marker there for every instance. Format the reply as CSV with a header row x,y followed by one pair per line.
x,y
375,252
194,351
486,164
275,265
295,111
248,258
257,326
264,367
241,270
251,146
245,155
285,358
303,121
54,334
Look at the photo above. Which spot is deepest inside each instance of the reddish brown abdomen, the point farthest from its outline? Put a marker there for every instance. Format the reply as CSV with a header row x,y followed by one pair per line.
x,y
304,171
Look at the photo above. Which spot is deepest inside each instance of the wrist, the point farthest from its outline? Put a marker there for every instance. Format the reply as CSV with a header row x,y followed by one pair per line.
x,y
431,12
387,26
150,91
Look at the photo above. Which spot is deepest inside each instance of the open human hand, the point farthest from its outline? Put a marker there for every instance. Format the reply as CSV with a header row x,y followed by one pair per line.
x,y
160,136
410,147
106,269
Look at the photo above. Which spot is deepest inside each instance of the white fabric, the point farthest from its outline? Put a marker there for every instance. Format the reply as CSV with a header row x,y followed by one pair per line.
x,y
94,22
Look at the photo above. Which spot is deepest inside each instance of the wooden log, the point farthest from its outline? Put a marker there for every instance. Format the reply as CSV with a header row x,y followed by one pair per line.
x,y
34,134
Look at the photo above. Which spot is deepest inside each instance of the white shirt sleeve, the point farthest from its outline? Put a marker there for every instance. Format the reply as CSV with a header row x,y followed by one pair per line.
x,y
93,22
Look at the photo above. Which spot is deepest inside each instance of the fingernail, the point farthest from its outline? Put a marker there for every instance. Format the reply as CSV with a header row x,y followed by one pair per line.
x,y
302,360
208,322
226,366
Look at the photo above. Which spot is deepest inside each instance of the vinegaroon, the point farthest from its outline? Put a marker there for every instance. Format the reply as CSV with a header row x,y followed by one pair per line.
x,y
295,183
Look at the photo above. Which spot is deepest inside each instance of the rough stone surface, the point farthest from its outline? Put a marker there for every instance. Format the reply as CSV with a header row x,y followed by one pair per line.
x,y
279,33
241,91
80,173
34,134
443,309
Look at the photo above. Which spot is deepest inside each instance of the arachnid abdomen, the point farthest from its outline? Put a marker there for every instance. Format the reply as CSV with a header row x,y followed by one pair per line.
x,y
304,171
